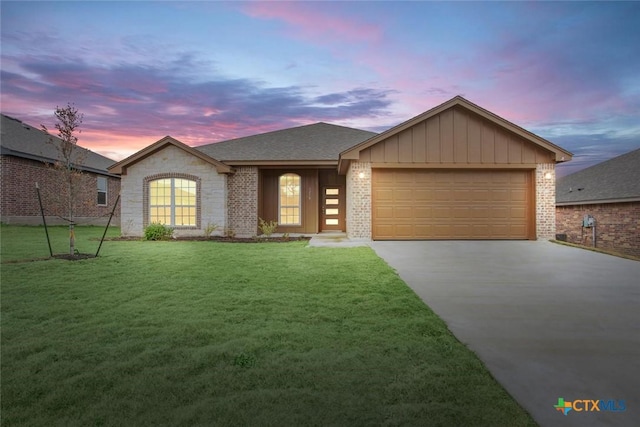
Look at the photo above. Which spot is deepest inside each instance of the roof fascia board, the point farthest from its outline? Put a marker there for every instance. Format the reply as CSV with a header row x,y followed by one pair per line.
x,y
492,166
320,163
598,202
121,166
9,152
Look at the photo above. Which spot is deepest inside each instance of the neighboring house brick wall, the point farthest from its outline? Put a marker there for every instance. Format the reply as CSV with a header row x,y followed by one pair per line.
x,y
173,162
19,200
359,201
617,226
546,201
243,201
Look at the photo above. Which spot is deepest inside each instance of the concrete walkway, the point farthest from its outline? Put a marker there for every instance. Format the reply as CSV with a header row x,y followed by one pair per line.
x,y
335,240
549,321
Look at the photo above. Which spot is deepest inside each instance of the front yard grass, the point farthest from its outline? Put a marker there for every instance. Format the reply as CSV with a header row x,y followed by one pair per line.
x,y
208,333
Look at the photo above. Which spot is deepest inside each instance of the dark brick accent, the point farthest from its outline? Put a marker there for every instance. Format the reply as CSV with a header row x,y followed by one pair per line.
x,y
242,188
19,198
617,226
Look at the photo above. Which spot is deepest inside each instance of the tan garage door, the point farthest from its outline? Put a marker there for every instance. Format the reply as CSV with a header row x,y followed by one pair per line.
x,y
451,204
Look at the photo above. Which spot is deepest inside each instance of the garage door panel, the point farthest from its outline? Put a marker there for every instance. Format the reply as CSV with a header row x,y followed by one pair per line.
x,y
383,195
423,212
401,213
500,213
518,213
404,231
461,194
440,212
442,195
500,195
400,196
439,204
383,213
461,212
518,195
480,213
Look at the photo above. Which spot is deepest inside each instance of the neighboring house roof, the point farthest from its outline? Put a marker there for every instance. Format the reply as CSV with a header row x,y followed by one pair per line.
x,y
615,180
317,143
121,166
22,140
353,153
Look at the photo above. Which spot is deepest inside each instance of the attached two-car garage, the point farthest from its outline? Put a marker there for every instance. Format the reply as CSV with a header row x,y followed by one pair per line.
x,y
410,204
456,171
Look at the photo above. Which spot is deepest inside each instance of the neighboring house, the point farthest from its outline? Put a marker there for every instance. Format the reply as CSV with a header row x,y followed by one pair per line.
x,y
610,193
27,157
456,171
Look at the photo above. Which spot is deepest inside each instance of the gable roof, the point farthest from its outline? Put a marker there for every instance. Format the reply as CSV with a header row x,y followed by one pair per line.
x,y
353,153
614,180
22,140
122,165
316,143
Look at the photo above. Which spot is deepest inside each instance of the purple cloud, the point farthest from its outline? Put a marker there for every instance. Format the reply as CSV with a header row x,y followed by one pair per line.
x,y
152,101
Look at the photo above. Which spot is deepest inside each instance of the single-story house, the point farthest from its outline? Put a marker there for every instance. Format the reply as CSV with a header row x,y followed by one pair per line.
x,y
27,154
609,193
456,171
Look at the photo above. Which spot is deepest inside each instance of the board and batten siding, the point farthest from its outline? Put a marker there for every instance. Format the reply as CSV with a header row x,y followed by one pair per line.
x,y
455,136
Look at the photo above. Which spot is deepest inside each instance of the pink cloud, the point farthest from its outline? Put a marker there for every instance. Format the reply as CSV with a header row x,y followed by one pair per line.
x,y
315,24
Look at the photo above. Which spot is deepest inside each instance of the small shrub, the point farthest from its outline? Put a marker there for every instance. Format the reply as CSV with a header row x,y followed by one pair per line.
x,y
229,232
267,227
157,231
210,228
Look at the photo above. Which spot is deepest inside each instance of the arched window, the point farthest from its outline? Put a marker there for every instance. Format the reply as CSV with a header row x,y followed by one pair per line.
x,y
289,202
172,201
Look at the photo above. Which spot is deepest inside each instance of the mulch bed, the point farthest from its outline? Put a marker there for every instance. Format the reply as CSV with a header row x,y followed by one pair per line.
x,y
219,239
74,257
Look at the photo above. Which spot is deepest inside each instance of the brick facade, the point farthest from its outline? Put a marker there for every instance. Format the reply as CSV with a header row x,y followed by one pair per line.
x,y
617,226
173,162
19,201
359,200
545,201
242,188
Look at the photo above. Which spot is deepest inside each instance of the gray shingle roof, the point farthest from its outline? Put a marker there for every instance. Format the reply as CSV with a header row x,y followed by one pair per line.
x,y
22,140
617,179
319,141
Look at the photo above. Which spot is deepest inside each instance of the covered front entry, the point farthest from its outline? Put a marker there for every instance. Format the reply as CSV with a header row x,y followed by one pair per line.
x,y
412,204
303,200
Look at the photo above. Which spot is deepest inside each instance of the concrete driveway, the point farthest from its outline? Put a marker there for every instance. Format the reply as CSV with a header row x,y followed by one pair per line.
x,y
549,321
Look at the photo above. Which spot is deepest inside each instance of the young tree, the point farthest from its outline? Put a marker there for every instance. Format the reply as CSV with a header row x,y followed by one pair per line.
x,y
67,171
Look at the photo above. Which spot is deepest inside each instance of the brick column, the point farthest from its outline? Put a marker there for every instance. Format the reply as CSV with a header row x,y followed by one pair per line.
x,y
359,200
243,201
546,201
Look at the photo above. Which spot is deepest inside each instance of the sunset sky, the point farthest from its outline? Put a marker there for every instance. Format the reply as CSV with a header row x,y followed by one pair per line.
x,y
209,71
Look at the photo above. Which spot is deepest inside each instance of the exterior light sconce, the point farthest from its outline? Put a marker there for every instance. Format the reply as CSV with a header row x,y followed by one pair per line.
x,y
548,175
361,175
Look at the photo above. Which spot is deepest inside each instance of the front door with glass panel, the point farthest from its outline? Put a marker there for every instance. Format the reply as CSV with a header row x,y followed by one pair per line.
x,y
332,209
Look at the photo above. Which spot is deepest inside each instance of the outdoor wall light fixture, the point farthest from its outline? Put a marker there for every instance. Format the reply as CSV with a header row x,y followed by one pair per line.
x,y
548,175
361,175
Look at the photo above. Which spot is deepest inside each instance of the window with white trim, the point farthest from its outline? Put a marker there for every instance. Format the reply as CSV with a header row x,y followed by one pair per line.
x,y
102,191
289,201
172,201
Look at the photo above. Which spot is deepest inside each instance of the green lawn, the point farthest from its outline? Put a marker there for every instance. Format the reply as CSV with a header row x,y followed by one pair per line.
x,y
207,333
